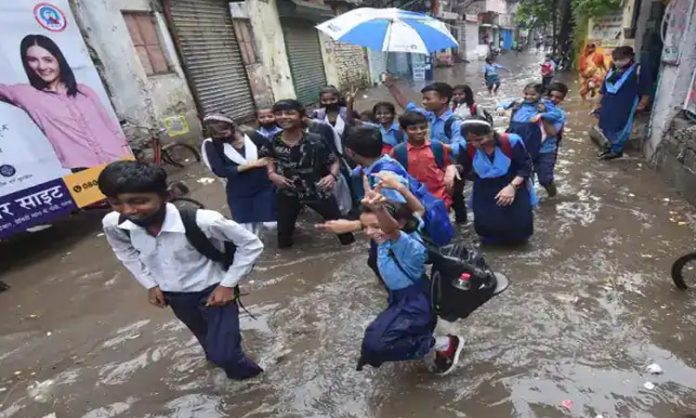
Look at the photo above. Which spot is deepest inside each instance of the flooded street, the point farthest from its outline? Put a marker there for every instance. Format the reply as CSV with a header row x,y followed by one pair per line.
x,y
591,305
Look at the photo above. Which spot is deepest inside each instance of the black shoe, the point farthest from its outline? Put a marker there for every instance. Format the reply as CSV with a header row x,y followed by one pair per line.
x,y
551,189
445,362
611,155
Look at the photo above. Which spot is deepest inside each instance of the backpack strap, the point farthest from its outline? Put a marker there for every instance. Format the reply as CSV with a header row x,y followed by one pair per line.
x,y
438,151
473,108
505,146
448,125
400,136
400,153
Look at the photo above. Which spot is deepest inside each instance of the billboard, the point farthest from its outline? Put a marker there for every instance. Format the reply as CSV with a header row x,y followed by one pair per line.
x,y
57,126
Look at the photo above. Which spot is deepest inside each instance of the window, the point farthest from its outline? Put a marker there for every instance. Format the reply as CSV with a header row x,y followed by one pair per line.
x,y
143,32
242,29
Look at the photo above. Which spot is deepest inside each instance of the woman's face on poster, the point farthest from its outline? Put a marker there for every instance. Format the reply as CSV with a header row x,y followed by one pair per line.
x,y
43,63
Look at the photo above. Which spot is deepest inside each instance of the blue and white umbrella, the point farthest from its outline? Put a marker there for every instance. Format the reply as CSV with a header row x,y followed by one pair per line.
x,y
392,30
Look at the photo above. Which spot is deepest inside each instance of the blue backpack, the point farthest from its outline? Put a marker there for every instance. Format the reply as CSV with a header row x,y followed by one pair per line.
x,y
436,220
400,154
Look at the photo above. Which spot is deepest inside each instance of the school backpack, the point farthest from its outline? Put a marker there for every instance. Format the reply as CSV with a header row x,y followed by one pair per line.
x,y
400,153
448,125
505,146
460,282
437,224
202,244
486,114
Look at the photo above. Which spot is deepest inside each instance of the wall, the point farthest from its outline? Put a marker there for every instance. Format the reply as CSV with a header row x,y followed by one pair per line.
x,y
268,35
143,100
377,61
672,86
351,65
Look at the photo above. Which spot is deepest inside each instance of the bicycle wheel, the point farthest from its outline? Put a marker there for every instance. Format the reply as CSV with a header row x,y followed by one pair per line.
x,y
180,155
186,202
684,271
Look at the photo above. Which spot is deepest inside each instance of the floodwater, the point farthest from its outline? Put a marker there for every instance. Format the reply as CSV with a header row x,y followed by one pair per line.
x,y
590,306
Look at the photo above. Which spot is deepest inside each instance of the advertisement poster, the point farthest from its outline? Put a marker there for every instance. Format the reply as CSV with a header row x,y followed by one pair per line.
x,y
57,127
678,16
605,31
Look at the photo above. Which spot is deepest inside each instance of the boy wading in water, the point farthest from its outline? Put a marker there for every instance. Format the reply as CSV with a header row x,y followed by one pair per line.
x,y
149,236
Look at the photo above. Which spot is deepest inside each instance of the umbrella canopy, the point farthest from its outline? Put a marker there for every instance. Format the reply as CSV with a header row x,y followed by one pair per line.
x,y
392,30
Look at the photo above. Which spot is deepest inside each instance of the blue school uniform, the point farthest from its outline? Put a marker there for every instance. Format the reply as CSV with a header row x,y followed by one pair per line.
x,y
250,194
392,136
520,121
437,127
403,331
621,93
268,133
491,75
502,224
546,159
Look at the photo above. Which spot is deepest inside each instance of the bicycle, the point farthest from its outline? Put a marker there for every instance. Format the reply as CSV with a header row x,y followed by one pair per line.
x,y
684,271
151,150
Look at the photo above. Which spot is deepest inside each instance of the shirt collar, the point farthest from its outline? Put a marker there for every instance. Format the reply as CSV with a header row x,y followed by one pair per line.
x,y
172,222
445,115
410,146
394,127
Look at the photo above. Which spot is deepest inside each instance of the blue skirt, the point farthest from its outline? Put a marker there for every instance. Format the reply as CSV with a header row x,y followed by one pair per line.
x,y
260,207
403,331
530,134
501,224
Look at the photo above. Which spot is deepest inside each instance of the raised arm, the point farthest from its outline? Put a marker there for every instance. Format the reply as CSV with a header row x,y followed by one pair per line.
x,y
396,93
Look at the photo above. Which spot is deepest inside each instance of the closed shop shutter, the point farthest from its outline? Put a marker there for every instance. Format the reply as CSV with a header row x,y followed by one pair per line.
x,y
306,63
212,57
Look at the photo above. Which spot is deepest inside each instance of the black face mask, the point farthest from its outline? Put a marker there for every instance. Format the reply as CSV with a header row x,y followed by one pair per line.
x,y
156,218
333,106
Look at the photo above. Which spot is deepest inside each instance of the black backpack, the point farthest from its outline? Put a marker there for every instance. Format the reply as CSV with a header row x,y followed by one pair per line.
x,y
202,244
447,300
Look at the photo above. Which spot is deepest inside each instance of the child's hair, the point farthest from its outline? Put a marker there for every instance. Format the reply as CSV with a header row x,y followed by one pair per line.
x,y
468,93
289,104
489,60
364,141
559,87
410,119
538,87
477,126
623,52
387,105
443,90
367,116
549,56
330,90
400,212
262,108
132,177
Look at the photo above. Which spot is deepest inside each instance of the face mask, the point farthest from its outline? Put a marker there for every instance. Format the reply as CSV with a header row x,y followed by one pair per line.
x,y
155,218
333,106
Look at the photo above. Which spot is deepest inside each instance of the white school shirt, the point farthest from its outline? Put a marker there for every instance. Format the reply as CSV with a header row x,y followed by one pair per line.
x,y
170,261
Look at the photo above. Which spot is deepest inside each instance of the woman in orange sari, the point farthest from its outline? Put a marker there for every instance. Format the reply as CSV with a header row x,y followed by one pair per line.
x,y
592,70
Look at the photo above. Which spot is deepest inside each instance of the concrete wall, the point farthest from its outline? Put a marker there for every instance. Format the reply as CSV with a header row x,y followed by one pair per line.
x,y
351,67
268,35
672,86
144,100
377,62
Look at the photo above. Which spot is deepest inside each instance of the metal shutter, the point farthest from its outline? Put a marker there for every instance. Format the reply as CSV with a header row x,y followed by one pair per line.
x,y
211,55
306,63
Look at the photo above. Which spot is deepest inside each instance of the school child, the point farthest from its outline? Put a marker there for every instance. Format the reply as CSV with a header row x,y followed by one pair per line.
x,y
445,126
392,135
491,75
545,163
234,156
267,124
503,196
427,161
528,115
548,70
150,237
304,171
404,330
336,110
464,104
625,91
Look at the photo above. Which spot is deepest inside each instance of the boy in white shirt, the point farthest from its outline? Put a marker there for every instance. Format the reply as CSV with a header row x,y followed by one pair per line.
x,y
152,239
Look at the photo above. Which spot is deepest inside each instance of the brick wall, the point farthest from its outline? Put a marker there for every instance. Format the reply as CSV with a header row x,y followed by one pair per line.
x,y
675,158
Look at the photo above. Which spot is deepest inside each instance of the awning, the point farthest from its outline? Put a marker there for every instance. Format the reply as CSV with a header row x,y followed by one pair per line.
x,y
300,9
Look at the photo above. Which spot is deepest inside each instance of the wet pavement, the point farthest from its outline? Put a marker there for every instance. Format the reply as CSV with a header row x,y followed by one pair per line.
x,y
590,306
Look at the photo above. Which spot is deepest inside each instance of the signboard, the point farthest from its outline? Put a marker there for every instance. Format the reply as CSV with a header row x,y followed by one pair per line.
x,y
606,31
57,127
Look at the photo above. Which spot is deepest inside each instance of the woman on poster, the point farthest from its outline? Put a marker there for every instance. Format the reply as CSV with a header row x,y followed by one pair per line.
x,y
71,115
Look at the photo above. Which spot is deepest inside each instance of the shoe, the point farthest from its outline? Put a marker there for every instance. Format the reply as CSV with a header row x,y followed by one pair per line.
x,y
603,153
551,189
611,155
445,361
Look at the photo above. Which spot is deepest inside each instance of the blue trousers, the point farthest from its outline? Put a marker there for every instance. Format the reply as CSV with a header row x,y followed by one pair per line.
x,y
217,330
544,166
